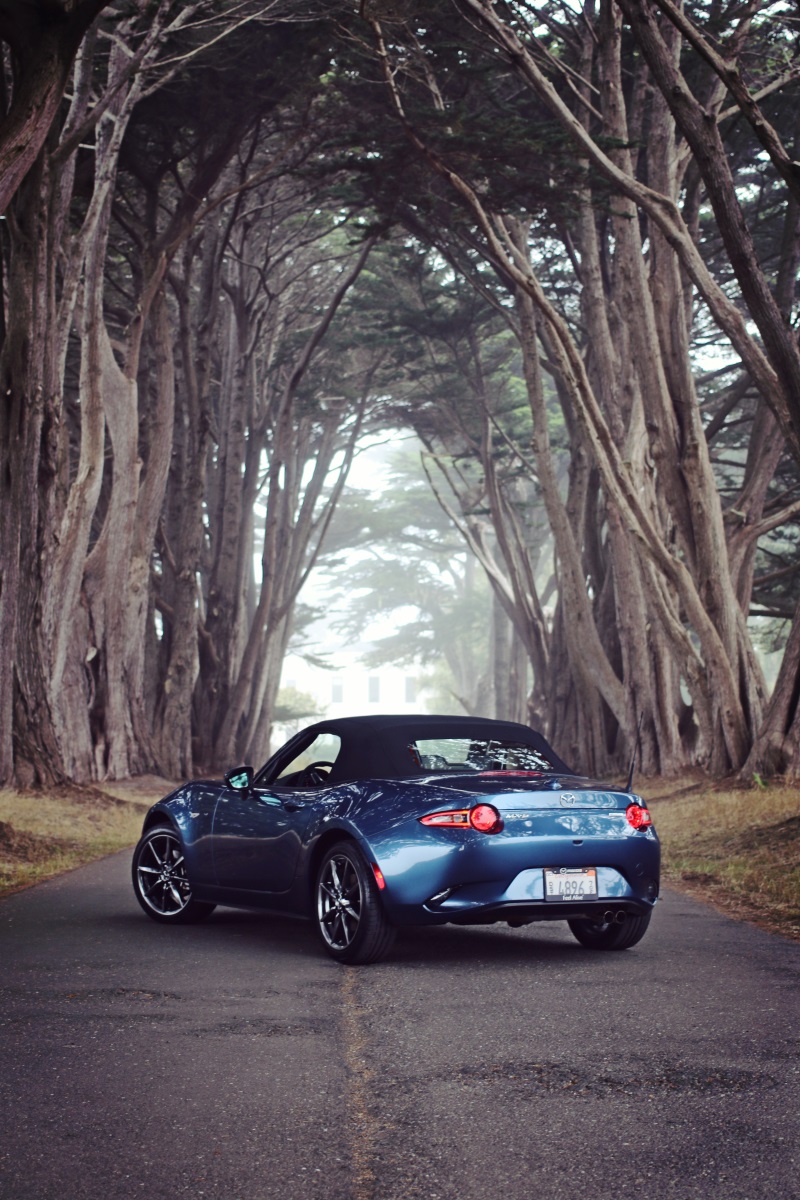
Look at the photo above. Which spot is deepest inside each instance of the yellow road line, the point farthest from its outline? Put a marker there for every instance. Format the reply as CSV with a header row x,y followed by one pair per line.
x,y
363,1126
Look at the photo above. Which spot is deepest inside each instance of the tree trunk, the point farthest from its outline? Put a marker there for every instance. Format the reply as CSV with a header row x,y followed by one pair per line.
x,y
44,38
31,755
776,749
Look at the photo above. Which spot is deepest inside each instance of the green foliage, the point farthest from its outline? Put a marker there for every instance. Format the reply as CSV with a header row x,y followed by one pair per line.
x,y
393,557
470,112
243,78
294,705
451,356
441,691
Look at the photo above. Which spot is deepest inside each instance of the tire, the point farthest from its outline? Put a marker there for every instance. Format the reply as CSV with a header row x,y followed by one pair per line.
x,y
610,936
160,881
348,911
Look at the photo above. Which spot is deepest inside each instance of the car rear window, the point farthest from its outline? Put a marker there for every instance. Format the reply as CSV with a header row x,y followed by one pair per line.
x,y
475,754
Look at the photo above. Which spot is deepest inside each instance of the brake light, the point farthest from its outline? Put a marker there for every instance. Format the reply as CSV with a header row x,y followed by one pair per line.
x,y
483,817
638,816
512,774
486,819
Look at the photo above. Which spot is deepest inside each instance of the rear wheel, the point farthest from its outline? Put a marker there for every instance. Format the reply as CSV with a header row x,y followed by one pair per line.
x,y
350,919
160,880
610,935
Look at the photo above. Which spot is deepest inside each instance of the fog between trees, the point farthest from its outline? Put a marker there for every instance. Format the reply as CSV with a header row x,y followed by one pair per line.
x,y
560,245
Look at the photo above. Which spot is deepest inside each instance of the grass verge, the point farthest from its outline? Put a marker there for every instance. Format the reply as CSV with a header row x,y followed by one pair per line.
x,y
736,848
45,833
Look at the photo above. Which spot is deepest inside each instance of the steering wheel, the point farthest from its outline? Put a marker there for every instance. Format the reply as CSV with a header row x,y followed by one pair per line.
x,y
313,776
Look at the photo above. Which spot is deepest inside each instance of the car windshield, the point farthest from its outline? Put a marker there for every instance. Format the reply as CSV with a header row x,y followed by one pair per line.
x,y
476,754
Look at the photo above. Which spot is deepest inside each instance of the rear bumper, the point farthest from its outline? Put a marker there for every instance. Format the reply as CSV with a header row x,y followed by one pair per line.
x,y
471,878
515,913
522,900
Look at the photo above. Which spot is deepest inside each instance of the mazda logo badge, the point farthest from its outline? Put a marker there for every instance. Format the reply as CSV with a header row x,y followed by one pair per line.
x,y
568,798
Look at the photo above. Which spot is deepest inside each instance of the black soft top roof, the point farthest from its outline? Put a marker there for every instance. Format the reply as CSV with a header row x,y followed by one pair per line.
x,y
376,747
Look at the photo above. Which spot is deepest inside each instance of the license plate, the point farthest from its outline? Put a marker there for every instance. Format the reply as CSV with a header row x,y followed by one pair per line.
x,y
570,883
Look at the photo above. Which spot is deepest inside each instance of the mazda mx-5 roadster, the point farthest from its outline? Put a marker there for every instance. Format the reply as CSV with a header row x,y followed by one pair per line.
x,y
367,824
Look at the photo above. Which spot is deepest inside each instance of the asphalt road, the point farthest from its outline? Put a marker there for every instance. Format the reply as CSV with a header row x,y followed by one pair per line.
x,y
234,1061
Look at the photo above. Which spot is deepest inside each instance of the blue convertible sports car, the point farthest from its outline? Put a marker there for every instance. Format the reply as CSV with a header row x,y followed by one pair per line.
x,y
365,824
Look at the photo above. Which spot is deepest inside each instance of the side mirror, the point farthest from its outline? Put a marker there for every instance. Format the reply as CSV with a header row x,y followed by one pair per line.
x,y
240,778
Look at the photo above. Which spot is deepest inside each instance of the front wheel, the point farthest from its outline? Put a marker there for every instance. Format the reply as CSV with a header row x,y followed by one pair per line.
x,y
160,881
349,915
610,935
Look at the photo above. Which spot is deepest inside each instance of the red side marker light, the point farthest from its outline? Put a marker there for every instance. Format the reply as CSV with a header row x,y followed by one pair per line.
x,y
378,873
638,816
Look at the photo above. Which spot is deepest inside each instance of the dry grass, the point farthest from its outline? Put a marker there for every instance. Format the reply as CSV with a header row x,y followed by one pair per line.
x,y
45,833
737,848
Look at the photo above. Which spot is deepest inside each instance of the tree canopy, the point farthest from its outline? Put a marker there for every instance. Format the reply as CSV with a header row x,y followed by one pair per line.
x,y
560,246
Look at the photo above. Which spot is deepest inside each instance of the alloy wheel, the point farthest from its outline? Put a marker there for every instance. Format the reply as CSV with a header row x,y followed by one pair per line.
x,y
339,901
161,874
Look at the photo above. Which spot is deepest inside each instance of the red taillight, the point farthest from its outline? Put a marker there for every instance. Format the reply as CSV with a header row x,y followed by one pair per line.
x,y
483,817
449,819
638,816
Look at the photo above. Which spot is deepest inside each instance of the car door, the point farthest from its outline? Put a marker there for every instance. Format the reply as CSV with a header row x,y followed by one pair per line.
x,y
258,831
257,835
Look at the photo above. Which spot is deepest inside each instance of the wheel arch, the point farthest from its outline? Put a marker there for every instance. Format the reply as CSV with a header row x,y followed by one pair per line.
x,y
321,847
166,892
157,816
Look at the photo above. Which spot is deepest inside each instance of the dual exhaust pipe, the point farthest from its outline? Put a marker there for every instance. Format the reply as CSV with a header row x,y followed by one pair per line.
x,y
610,917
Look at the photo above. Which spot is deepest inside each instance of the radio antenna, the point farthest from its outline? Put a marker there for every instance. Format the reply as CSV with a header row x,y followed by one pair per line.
x,y
633,758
